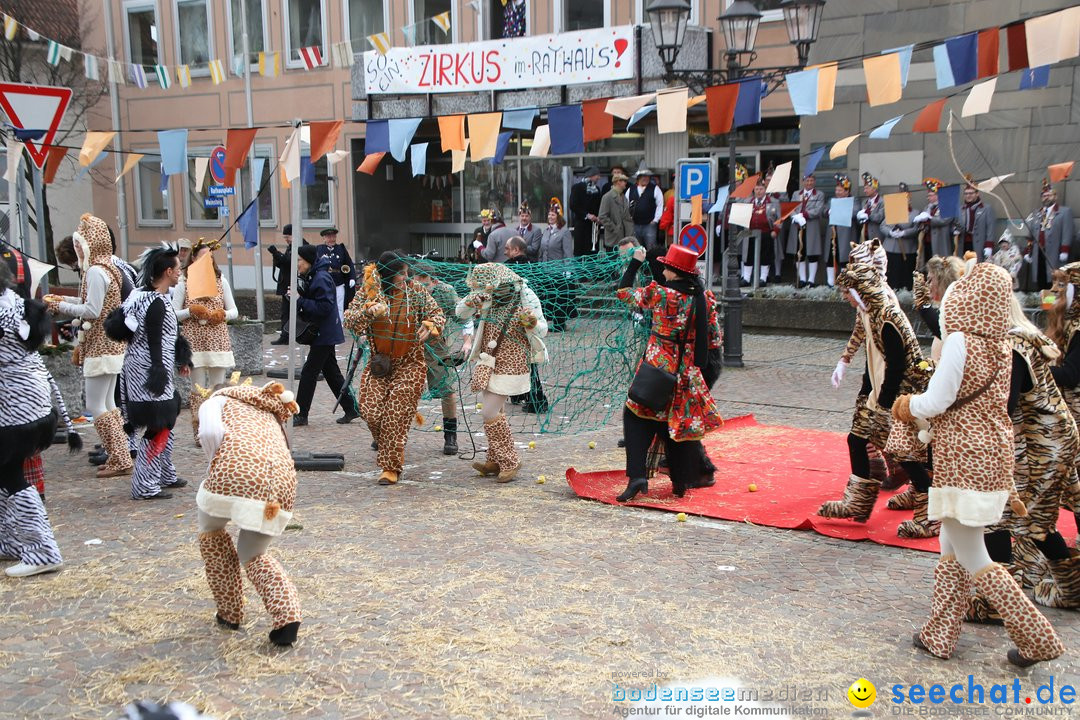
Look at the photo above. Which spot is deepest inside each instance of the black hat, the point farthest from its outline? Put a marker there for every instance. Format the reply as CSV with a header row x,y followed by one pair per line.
x,y
287,230
307,252
329,231
590,171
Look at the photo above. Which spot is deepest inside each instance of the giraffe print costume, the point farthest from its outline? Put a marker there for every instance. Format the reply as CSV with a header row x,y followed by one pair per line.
x,y
965,402
388,404
251,481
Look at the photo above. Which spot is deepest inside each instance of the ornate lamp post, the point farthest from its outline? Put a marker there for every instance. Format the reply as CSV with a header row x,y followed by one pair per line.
x,y
739,26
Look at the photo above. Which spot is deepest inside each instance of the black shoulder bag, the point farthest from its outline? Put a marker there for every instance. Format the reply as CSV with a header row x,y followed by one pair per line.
x,y
653,387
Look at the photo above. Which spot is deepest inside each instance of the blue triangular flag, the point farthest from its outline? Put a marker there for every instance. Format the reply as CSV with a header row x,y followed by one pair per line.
x,y
943,68
803,89
905,61
401,134
881,132
748,105
721,199
378,137
1036,77
501,147
30,134
248,222
567,132
84,171
519,119
173,145
307,171
418,156
813,160
642,112
963,57
949,201
163,186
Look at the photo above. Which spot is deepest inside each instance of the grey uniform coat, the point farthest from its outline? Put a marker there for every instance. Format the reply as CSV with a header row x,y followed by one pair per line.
x,y
813,210
981,227
615,217
905,244
941,232
875,209
772,212
1052,233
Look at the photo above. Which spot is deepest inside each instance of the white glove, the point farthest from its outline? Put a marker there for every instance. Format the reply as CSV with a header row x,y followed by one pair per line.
x,y
1027,259
838,373
987,252
352,283
896,233
1063,257
719,229
862,216
922,217
799,219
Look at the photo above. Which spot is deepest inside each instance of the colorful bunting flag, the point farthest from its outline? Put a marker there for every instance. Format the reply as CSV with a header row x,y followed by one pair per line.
x,y
826,86
324,136
598,124
943,68
32,34
11,26
745,188
883,79
173,144
565,125
52,163
501,147
138,76
217,72
343,54
457,158
670,111
380,41
720,103
1032,78
66,53
748,106
163,76
882,132
90,68
93,144
779,181
129,162
905,61
183,76
978,100
377,138
1059,171
929,118
248,222
520,119
442,21
237,143
401,134
451,132
988,53
1016,42
418,156
802,88
963,53
626,107
53,55
813,160
269,64
483,135
840,148
541,142
639,115
311,56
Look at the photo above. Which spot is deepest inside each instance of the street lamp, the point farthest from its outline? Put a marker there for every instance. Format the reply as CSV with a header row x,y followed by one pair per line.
x,y
668,19
740,24
803,19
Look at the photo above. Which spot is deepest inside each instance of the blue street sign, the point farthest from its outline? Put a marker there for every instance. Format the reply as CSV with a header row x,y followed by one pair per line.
x,y
223,211
220,190
694,179
217,164
212,202
694,237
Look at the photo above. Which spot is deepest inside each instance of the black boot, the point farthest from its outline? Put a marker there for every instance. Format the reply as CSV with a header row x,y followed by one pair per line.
x,y
283,339
635,486
449,429
285,635
348,404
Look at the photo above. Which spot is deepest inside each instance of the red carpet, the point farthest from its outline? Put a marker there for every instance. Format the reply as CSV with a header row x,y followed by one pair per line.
x,y
795,470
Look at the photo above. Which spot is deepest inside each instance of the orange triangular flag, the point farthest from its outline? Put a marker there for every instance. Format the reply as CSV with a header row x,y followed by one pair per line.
x,y
201,278
1060,171
695,210
598,124
720,103
747,188
883,79
237,144
371,162
929,117
324,136
786,209
452,132
52,163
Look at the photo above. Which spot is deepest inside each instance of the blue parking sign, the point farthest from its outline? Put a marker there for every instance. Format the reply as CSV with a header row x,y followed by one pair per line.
x,y
694,179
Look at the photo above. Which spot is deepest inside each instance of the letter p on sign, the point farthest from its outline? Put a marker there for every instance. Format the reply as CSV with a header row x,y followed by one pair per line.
x,y
694,180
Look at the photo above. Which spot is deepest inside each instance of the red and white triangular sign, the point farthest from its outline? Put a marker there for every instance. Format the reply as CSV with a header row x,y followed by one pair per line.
x,y
35,107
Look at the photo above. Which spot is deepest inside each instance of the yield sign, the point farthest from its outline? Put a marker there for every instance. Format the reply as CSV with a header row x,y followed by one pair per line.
x,y
35,107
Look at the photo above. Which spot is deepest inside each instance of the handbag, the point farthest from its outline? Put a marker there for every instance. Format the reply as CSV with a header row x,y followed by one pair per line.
x,y
653,387
306,332
380,365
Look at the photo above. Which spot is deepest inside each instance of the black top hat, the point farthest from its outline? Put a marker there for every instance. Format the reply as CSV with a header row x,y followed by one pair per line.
x,y
329,231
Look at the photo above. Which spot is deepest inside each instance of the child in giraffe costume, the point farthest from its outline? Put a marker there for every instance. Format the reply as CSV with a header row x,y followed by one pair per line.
x,y
398,315
203,323
894,365
251,481
101,357
965,402
510,330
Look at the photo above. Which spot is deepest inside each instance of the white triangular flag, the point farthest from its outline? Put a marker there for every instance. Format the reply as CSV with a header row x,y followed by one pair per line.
x,y
201,163
290,157
38,270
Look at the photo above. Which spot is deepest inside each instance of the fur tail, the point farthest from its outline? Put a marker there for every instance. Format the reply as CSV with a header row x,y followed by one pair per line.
x,y
158,443
74,441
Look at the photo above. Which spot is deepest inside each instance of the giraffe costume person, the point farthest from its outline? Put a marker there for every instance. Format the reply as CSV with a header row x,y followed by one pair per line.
x,y
398,315
101,357
510,329
965,402
251,481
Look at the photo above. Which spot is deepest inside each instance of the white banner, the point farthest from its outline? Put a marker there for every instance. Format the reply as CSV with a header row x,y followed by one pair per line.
x,y
571,58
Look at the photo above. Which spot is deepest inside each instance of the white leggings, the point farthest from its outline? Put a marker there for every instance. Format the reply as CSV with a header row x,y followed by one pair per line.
x,y
207,377
100,394
966,543
492,405
249,544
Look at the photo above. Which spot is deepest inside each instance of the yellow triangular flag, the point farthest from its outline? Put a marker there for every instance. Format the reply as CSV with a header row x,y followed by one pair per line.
x,y
442,20
94,143
839,149
269,64
217,72
380,41
131,161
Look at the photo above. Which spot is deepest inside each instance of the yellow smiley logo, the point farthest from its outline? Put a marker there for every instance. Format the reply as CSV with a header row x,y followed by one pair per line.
x,y
862,693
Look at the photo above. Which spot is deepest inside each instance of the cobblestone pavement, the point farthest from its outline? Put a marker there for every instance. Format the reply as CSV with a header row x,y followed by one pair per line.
x,y
449,596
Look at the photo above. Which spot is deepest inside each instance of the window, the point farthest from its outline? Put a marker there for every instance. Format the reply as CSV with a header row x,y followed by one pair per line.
x,y
583,14
154,208
141,29
426,31
196,214
268,198
770,9
319,194
304,27
256,21
509,20
193,34
641,16
364,18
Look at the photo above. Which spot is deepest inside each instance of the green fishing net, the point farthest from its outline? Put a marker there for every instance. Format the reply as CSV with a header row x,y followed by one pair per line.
x,y
594,343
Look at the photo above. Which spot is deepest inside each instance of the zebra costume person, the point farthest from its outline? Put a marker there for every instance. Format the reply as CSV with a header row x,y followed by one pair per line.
x,y
27,425
147,322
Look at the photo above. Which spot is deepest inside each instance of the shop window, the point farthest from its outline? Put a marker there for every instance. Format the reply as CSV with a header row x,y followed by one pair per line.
x,y
193,34
426,32
268,198
509,20
196,214
304,27
141,29
365,18
318,193
582,14
256,27
154,206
